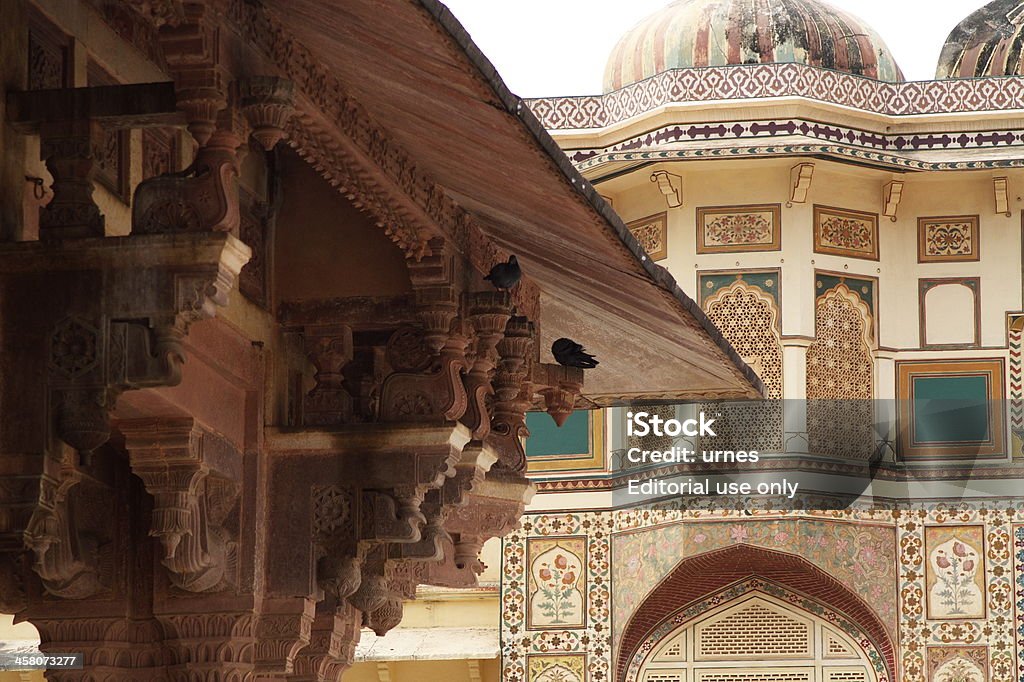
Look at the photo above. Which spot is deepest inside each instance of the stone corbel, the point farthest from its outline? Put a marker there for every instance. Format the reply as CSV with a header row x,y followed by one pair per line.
x,y
169,457
560,387
438,395
192,51
338,564
488,314
800,177
332,645
475,461
392,516
429,547
267,103
373,590
283,628
67,568
512,395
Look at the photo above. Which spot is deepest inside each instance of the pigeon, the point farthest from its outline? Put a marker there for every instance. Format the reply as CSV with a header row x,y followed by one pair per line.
x,y
505,275
571,354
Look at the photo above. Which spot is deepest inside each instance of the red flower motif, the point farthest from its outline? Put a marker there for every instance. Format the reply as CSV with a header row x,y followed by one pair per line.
x,y
545,574
942,562
568,578
561,561
969,565
959,549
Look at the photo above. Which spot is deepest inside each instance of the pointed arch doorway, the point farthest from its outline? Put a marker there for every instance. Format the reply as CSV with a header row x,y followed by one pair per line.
x,y
757,602
757,638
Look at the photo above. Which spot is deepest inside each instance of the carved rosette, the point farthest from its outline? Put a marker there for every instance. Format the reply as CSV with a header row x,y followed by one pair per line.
x,y
267,103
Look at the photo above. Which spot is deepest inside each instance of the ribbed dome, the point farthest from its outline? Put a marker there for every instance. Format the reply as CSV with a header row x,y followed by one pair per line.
x,y
987,43
691,33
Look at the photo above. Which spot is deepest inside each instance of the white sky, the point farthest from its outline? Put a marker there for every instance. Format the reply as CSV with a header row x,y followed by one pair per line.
x,y
559,47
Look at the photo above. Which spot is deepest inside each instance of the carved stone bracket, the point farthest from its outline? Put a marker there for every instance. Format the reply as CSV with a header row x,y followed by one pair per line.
x,y
560,387
512,394
488,313
267,103
333,639
283,628
192,50
169,457
67,566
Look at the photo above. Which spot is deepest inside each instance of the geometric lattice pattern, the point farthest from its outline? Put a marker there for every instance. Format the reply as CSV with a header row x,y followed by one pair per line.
x,y
840,377
755,631
781,675
748,318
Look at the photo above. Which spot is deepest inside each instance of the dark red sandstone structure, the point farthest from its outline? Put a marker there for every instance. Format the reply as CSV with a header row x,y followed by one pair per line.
x,y
255,415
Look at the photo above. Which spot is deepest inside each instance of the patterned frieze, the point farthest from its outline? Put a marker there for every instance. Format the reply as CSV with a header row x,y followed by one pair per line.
x,y
747,82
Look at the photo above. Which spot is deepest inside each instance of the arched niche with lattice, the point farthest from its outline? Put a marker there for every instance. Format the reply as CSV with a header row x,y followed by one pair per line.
x,y
840,372
747,313
757,638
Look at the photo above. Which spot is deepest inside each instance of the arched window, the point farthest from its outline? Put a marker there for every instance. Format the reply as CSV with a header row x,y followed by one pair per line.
x,y
757,638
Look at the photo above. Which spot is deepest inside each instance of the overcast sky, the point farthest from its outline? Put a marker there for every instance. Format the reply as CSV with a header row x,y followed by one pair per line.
x,y
559,47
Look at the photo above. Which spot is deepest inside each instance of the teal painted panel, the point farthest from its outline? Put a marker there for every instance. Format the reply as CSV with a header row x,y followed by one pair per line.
x,y
547,440
767,281
951,409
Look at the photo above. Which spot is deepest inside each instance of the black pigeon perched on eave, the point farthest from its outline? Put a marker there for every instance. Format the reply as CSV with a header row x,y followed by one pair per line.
x,y
571,354
505,275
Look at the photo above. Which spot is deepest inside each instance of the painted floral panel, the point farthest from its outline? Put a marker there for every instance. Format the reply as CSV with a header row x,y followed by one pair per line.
x,y
839,232
947,239
955,572
739,228
652,233
958,664
570,668
556,582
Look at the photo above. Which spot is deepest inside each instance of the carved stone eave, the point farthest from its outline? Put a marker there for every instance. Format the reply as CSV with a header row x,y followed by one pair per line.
x,y
336,136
